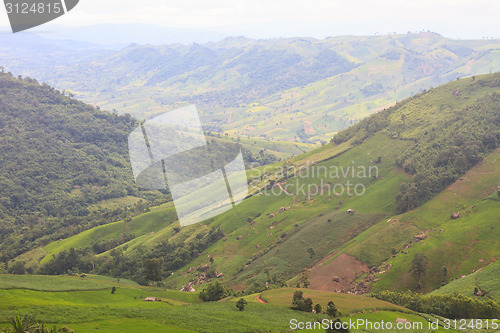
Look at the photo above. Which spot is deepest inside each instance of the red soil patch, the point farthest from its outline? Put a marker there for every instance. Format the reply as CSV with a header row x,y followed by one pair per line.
x,y
308,128
260,300
337,274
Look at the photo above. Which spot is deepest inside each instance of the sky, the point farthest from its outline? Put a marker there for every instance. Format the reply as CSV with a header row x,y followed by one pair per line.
x,y
465,19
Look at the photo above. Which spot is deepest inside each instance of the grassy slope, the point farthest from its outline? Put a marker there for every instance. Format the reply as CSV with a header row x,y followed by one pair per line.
x,y
486,279
313,216
125,311
319,224
466,239
346,303
464,244
141,225
50,283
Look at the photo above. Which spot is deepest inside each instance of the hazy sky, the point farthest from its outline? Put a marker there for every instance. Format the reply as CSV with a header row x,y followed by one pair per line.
x,y
316,18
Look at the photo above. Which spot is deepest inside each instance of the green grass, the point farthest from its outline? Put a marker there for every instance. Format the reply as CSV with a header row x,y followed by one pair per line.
x,y
51,283
128,325
346,303
486,279
140,225
126,311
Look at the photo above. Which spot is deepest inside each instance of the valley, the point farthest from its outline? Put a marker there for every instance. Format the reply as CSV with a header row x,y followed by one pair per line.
x,y
368,187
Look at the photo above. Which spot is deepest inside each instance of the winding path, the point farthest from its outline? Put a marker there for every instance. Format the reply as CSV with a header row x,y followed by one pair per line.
x,y
260,300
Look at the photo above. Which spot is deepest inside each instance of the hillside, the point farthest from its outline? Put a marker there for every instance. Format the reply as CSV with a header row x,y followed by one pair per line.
x,y
297,230
64,168
85,304
294,89
60,161
454,248
484,279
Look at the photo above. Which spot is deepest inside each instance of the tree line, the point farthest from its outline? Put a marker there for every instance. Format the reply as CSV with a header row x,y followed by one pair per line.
x,y
453,306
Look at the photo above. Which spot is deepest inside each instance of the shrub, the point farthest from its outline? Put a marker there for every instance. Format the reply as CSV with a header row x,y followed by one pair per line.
x,y
241,304
214,292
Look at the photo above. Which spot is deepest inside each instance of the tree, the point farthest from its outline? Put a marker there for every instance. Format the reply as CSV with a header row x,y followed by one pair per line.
x,y
214,292
304,280
331,310
17,268
307,305
152,268
298,300
300,303
318,308
445,272
241,304
419,267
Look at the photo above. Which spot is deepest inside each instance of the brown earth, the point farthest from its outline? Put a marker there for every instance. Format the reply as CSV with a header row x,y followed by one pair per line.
x,y
337,274
260,300
308,128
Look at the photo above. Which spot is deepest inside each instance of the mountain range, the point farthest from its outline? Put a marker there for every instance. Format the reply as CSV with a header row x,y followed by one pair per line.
x,y
293,89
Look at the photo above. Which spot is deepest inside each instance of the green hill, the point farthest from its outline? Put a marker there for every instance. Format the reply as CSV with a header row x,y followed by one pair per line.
x,y
298,229
61,160
444,150
454,247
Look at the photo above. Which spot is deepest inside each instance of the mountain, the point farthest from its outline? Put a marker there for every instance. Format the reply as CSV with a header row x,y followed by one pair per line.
x,y
120,35
349,216
60,160
293,89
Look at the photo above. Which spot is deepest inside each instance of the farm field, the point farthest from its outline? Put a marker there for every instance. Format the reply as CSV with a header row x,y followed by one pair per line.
x,y
66,301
